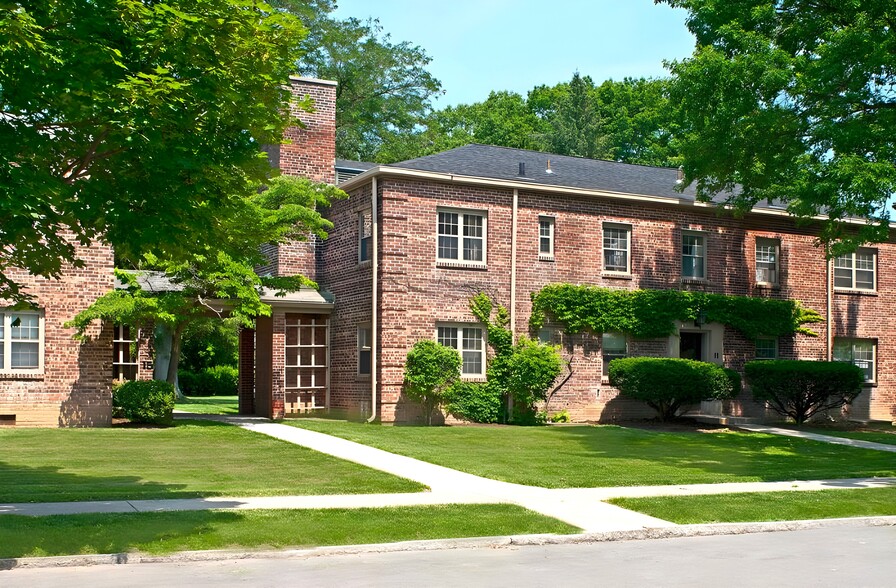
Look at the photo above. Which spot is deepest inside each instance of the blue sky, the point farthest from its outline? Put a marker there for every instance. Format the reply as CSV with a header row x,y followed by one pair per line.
x,y
478,46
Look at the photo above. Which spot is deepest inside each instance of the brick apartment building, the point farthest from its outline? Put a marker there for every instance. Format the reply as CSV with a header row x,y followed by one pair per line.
x,y
415,240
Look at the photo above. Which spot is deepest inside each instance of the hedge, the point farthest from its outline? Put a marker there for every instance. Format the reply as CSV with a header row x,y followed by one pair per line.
x,y
802,389
219,380
668,384
145,402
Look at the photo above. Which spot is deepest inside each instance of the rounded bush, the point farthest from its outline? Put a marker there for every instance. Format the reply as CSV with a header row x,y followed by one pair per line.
x,y
802,389
145,402
667,384
477,402
430,369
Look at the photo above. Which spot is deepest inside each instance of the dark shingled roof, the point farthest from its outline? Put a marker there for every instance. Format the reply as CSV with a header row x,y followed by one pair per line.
x,y
503,163
354,165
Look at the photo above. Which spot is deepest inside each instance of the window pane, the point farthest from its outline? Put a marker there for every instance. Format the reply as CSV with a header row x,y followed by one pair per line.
x,y
842,278
447,336
447,247
692,256
24,327
472,249
864,280
448,223
472,339
472,362
616,250
613,342
24,356
766,349
472,225
364,361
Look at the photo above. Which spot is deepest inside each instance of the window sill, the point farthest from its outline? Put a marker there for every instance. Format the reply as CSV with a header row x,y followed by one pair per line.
x,y
696,281
473,378
365,263
766,286
34,376
542,257
617,276
461,265
853,292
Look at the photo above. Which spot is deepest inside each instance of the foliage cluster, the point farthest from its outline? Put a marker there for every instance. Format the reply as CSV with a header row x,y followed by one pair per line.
x,y
802,389
477,402
430,370
137,123
668,384
149,402
218,380
651,313
210,342
629,120
793,100
524,371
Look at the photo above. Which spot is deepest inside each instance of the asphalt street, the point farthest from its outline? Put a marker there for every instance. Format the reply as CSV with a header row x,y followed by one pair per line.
x,y
829,557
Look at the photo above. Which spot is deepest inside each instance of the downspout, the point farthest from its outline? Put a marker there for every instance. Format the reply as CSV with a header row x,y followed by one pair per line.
x,y
374,257
516,195
829,295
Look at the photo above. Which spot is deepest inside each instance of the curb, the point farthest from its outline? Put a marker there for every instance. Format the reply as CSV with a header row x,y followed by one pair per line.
x,y
703,530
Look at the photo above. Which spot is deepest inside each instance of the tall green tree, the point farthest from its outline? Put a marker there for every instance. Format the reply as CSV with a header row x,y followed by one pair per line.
x,y
219,278
138,123
793,100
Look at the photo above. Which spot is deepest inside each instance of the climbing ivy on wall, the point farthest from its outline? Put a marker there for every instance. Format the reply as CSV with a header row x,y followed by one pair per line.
x,y
652,313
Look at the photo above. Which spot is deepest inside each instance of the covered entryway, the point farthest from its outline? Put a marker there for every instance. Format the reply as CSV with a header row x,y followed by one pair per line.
x,y
284,360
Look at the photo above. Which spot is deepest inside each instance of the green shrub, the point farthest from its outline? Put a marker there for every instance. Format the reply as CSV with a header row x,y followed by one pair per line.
x,y
560,417
145,402
802,389
430,369
532,369
668,384
477,402
219,380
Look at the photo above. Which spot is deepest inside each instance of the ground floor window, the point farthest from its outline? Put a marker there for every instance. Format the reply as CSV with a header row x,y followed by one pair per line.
x,y
613,346
124,354
859,352
469,342
766,348
21,342
364,350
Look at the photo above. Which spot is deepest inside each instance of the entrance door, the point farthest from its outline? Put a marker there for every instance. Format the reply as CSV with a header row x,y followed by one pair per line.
x,y
691,346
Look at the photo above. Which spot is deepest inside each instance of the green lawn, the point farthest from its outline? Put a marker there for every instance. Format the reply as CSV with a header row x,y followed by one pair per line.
x,y
167,532
194,458
209,405
770,506
591,456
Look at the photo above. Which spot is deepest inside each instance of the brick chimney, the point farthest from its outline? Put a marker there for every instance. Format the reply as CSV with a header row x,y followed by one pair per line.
x,y
311,151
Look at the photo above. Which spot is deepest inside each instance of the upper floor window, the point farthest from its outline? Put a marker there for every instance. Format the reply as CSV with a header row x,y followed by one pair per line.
x,y
461,236
859,352
767,251
856,271
365,232
693,256
124,354
613,346
617,246
766,348
469,342
546,236
21,342
364,350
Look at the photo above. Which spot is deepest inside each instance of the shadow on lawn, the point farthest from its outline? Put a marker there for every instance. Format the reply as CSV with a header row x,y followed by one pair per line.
x,y
22,536
718,457
49,484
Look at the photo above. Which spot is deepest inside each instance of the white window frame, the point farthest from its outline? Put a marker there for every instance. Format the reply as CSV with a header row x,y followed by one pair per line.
x,y
845,348
459,342
608,355
847,267
122,352
6,340
773,267
702,245
365,340
362,214
546,231
460,237
614,246
775,351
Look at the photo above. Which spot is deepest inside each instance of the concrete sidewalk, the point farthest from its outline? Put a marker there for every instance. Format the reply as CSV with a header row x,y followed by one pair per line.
x,y
818,437
582,507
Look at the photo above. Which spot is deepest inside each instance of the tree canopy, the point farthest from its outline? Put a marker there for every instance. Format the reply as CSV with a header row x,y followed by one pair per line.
x,y
793,100
139,123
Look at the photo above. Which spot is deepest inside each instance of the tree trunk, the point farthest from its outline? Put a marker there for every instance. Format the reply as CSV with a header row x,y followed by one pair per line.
x,y
175,359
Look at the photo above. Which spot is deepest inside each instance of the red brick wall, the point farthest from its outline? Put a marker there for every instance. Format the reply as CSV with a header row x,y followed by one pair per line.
x,y
75,386
415,293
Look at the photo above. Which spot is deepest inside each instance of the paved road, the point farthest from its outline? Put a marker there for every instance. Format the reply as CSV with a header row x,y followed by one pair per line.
x,y
838,557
